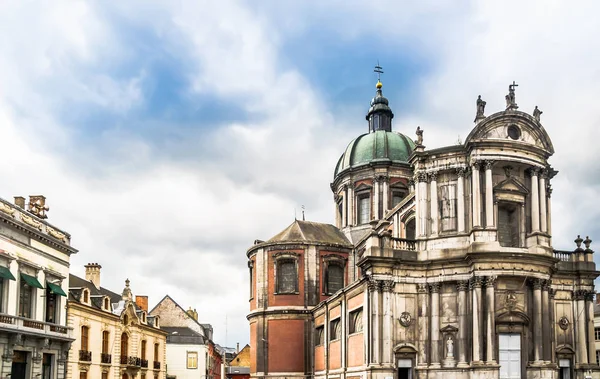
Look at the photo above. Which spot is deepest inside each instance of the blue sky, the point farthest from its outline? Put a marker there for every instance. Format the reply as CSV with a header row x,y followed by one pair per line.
x,y
168,136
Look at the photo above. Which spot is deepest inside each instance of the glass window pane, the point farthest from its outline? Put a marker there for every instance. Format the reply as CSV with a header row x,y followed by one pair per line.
x,y
335,278
364,210
286,272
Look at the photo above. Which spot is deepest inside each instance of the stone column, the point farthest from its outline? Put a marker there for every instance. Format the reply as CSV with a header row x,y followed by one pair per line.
x,y
546,329
543,214
537,321
422,178
423,324
535,201
344,206
462,323
551,317
475,285
460,202
388,317
476,196
385,181
350,203
376,199
580,341
375,290
589,303
490,282
435,325
433,211
549,210
522,227
489,195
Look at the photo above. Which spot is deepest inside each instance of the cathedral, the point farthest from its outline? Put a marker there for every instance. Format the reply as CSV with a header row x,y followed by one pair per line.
x,y
440,264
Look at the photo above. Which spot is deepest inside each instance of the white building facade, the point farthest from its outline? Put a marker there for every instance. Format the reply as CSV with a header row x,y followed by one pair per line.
x,y
187,354
34,270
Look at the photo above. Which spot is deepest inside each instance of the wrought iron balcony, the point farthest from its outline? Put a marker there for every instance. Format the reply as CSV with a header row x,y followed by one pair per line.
x,y
156,365
85,356
124,359
134,361
144,363
105,358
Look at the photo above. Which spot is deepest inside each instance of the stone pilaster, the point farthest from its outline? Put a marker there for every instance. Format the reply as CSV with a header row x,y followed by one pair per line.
x,y
580,341
423,324
489,195
375,292
475,285
537,322
435,325
422,214
490,334
350,203
434,207
344,205
547,323
460,203
535,201
476,195
462,323
385,182
387,287
589,304
376,190
549,208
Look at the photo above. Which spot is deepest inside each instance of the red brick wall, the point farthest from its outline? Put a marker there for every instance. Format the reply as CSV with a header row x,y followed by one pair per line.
x,y
320,358
320,320
335,355
356,355
279,300
356,301
286,345
253,344
335,312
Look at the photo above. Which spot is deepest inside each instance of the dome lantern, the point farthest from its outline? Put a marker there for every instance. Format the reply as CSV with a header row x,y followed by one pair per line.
x,y
380,114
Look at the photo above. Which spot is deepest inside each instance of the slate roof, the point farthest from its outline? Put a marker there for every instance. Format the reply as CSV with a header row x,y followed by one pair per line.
x,y
183,335
76,284
308,231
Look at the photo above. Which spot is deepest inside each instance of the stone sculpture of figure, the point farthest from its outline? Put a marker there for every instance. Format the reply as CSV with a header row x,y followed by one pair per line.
x,y
480,108
419,140
537,113
450,348
510,98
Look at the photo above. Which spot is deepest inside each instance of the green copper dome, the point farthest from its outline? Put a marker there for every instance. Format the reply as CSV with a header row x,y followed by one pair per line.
x,y
378,146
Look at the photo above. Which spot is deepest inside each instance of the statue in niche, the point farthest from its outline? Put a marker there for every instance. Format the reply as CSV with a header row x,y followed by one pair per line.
x,y
537,113
419,140
449,348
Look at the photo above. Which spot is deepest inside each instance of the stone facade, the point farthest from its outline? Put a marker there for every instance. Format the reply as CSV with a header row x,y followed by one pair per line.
x,y
114,336
448,265
34,267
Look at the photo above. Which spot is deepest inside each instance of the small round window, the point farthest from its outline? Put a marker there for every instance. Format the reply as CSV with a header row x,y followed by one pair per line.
x,y
514,132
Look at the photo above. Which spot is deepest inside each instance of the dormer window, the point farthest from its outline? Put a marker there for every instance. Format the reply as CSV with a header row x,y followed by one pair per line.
x,y
106,304
156,324
144,317
85,295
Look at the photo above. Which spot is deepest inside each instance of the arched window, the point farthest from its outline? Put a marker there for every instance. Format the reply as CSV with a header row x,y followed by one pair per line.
x,y
287,276
356,321
86,296
334,278
124,346
84,338
410,229
106,304
125,319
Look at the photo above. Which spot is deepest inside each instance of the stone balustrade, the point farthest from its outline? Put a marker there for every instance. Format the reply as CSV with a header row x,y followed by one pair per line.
x,y
26,325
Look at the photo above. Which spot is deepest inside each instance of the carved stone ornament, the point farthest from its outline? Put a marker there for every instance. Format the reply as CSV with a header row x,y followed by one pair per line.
x,y
564,323
510,301
56,234
422,177
422,288
373,285
460,172
405,319
387,285
30,221
6,209
462,285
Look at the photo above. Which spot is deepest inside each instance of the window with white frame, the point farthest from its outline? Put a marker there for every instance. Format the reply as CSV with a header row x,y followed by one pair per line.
x,y
447,204
363,211
192,360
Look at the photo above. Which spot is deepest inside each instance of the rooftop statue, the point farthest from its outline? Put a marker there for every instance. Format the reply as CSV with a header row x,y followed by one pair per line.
x,y
537,113
419,140
480,109
510,98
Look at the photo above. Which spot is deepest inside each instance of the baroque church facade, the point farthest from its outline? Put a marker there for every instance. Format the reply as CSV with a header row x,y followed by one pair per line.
x,y
440,265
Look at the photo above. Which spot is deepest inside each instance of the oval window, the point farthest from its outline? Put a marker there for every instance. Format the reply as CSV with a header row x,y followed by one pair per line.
x,y
514,132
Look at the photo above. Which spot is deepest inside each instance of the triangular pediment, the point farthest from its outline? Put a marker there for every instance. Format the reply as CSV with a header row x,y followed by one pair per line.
x,y
363,186
511,184
512,317
449,329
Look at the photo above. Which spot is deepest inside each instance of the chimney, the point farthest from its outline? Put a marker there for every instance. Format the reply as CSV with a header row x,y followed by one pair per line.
x,y
20,201
142,302
92,273
192,314
195,315
237,348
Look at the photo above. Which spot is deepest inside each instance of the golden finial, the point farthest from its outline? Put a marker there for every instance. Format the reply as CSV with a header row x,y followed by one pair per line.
x,y
379,71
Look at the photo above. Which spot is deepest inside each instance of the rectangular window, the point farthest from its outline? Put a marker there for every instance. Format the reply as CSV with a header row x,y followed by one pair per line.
x,y
508,225
335,330
155,352
84,338
105,335
83,375
598,357
320,335
192,359
51,306
143,349
334,278
597,333
364,209
447,204
105,375
251,268
356,321
25,299
287,276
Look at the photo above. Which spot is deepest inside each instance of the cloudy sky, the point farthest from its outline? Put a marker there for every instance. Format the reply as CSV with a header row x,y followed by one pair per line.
x,y
169,136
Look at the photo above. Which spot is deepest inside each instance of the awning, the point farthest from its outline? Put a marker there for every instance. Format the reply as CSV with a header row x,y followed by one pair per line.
x,y
32,281
6,274
56,289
